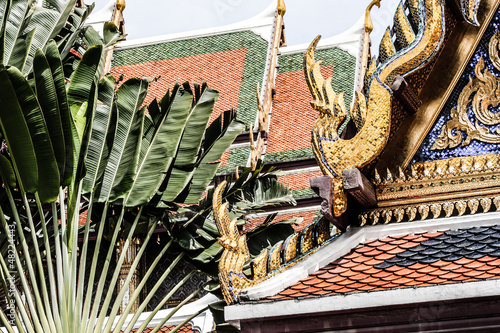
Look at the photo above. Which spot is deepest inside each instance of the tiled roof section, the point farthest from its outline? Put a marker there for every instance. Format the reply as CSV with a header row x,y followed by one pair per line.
x,y
184,329
222,71
217,49
292,116
233,158
299,180
304,219
454,256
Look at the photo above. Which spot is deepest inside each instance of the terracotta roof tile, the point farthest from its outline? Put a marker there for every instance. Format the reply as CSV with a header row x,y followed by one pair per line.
x,y
386,247
427,269
361,259
384,256
325,275
374,252
345,290
423,259
359,276
363,249
402,280
408,245
396,250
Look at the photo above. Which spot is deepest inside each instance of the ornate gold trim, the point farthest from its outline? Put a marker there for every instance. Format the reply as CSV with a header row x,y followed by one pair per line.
x,y
335,154
269,262
484,87
438,180
430,210
448,69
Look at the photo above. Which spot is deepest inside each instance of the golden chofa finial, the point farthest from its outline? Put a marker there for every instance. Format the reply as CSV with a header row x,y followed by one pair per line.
x,y
120,5
366,43
281,7
118,14
368,19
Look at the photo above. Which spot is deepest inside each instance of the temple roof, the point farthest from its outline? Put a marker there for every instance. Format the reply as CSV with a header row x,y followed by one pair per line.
x,y
376,266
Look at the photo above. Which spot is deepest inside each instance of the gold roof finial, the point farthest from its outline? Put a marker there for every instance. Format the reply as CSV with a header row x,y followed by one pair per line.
x,y
118,14
368,19
281,7
366,42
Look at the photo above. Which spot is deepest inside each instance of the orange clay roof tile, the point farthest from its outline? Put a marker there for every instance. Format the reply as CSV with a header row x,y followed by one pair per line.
x,y
417,260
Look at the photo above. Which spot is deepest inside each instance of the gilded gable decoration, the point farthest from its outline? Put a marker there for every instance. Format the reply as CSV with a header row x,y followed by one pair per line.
x,y
335,154
468,122
268,263
480,96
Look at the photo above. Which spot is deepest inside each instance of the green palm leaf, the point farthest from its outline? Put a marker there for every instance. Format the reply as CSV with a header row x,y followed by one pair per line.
x,y
163,148
47,97
14,29
47,23
55,63
189,147
129,98
101,137
16,133
48,172
85,78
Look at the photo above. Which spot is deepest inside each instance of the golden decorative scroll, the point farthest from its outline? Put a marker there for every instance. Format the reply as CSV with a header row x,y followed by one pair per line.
x,y
269,262
481,92
335,154
432,189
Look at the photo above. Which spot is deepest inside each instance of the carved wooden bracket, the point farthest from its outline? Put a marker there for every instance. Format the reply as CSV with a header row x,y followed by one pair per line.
x,y
323,187
406,95
359,187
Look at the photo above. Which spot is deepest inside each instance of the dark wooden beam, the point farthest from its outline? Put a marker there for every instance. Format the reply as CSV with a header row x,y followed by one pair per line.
x,y
406,95
359,187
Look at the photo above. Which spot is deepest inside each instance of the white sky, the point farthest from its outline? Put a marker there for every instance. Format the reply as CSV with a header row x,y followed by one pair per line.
x,y
303,19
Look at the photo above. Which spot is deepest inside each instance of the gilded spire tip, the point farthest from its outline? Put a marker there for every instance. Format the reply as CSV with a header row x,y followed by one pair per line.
x,y
282,7
368,20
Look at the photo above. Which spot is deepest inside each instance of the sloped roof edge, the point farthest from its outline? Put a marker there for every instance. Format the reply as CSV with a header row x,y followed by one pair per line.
x,y
350,239
234,314
349,41
259,24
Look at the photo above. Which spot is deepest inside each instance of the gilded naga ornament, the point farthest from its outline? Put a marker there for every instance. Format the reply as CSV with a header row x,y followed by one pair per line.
x,y
482,93
371,112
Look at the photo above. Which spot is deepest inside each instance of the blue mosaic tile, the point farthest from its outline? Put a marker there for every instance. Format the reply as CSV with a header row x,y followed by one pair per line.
x,y
475,147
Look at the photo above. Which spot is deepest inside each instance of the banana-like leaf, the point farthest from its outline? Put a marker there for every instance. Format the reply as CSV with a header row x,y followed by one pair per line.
x,y
103,127
48,172
85,78
199,182
189,147
48,99
220,135
111,34
21,50
47,23
124,152
69,35
14,29
207,168
16,133
195,132
7,171
55,63
163,148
